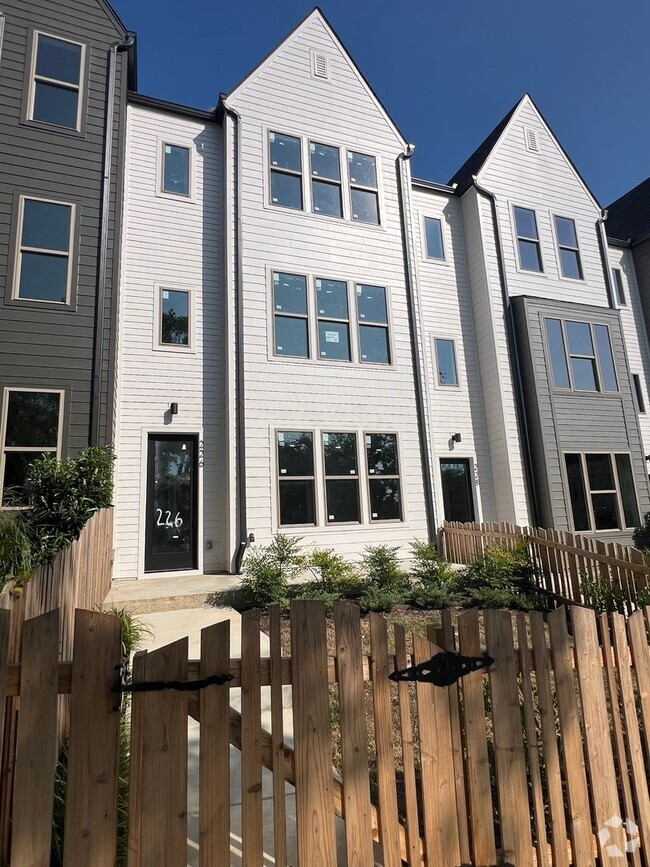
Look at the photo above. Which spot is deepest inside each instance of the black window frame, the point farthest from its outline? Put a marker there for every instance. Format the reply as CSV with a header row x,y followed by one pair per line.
x,y
334,477
277,170
589,492
296,478
396,476
528,240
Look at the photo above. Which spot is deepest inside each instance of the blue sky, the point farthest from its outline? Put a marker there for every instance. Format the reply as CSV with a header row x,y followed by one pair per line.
x,y
447,70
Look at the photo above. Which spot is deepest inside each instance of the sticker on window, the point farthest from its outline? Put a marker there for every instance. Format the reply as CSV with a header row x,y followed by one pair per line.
x,y
326,438
374,514
332,337
330,517
279,348
282,471
165,294
168,149
280,437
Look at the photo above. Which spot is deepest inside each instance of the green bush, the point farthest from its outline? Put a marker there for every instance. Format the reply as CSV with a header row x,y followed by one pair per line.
x,y
381,568
63,495
268,570
501,578
375,598
335,579
16,560
433,578
641,536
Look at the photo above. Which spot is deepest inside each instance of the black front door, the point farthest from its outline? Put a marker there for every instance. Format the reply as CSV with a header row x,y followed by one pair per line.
x,y
170,537
457,495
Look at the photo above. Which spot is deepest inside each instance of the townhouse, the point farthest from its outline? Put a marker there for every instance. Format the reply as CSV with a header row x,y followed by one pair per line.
x,y
64,75
308,340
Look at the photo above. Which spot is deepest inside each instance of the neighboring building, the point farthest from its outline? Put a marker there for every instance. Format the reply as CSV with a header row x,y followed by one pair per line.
x,y
63,84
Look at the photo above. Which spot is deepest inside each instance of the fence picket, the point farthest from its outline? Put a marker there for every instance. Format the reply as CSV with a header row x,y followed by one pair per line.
x,y
600,759
509,756
641,661
408,758
214,750
138,670
36,756
251,767
437,769
93,757
354,736
313,751
277,730
5,626
163,828
481,820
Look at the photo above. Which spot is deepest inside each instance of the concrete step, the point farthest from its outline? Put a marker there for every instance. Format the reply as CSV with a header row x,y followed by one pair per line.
x,y
149,595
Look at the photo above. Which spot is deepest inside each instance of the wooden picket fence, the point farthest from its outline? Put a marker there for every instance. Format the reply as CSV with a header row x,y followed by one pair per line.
x,y
524,764
561,559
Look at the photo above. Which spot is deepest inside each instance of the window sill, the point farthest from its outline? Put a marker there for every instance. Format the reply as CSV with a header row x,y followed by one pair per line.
x,y
324,218
53,128
26,304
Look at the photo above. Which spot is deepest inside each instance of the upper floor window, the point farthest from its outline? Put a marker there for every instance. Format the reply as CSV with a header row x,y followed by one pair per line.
x,y
325,179
372,311
638,393
446,362
567,242
43,263
290,315
433,230
176,170
31,427
56,85
619,291
581,356
286,170
601,491
333,320
175,317
364,194
530,257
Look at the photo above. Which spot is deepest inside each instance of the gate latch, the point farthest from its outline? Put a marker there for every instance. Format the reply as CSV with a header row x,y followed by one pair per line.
x,y
124,686
443,669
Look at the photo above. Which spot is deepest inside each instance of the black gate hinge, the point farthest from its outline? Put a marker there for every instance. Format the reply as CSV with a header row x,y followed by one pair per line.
x,y
443,669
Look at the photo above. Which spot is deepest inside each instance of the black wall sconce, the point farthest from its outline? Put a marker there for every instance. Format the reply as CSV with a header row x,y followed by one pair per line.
x,y
456,438
173,409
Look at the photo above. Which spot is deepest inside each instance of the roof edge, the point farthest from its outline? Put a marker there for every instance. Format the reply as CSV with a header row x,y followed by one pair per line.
x,y
164,105
434,185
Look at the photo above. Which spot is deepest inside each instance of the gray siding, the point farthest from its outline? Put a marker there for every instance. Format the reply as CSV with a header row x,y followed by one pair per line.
x,y
561,422
42,345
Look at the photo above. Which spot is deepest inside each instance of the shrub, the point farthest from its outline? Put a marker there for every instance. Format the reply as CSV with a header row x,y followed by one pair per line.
x,y
269,570
336,578
16,561
501,578
433,577
63,495
641,536
381,568
376,598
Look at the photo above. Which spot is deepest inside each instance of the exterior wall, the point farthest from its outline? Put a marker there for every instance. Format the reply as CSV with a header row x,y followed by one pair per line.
x,y
172,242
302,394
446,312
41,344
635,332
568,421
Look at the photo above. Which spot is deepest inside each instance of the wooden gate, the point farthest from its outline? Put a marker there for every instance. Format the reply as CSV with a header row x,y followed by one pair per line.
x,y
541,760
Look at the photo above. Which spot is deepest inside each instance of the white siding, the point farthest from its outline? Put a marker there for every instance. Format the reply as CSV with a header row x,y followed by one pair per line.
x,y
634,333
172,242
446,305
292,394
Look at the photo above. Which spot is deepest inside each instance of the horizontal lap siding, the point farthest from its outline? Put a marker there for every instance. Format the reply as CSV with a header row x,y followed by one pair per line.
x,y
446,304
53,348
281,393
170,241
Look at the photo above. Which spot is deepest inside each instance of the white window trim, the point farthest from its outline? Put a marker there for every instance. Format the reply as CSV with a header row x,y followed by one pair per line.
x,y
434,352
515,238
56,450
15,289
559,246
588,491
425,247
158,345
160,170
63,84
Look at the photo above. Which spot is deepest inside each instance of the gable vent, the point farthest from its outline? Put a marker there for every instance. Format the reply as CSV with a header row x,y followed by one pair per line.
x,y
532,144
319,65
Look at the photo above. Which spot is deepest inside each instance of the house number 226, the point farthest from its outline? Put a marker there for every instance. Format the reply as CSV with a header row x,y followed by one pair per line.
x,y
177,522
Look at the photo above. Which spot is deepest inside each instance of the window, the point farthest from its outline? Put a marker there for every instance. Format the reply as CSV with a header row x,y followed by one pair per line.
x,y
457,496
296,477
44,252
56,81
372,312
286,170
619,291
341,478
176,170
588,365
567,241
383,477
446,362
364,195
174,317
333,320
325,180
31,428
530,257
638,393
601,491
290,315
433,230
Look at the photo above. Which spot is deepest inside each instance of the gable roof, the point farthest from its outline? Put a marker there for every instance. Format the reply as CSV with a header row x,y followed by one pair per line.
x,y
628,218
317,13
475,161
